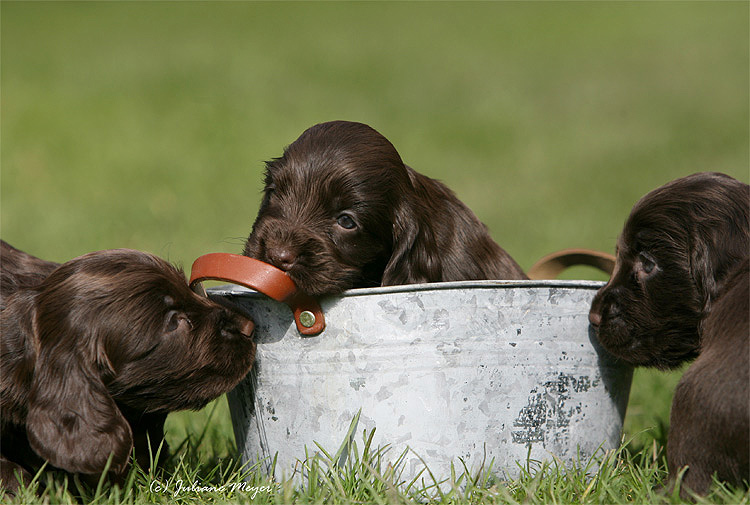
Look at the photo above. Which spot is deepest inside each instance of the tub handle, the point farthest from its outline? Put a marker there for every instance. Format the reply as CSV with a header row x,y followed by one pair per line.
x,y
550,266
264,278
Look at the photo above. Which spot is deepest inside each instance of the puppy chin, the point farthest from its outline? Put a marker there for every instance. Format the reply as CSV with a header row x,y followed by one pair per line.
x,y
664,347
624,346
614,336
313,283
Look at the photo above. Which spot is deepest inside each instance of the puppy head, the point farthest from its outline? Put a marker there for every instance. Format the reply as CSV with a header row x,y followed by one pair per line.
x,y
327,213
677,245
123,326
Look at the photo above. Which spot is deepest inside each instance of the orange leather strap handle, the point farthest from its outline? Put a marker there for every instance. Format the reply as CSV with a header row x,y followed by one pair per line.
x,y
550,266
265,279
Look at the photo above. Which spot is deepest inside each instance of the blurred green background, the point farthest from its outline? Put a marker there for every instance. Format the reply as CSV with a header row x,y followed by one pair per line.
x,y
146,124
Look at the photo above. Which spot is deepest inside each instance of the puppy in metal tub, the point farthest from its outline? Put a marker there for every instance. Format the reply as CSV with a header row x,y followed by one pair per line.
x,y
341,210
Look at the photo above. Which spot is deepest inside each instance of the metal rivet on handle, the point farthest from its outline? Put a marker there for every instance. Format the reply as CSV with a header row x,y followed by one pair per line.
x,y
307,318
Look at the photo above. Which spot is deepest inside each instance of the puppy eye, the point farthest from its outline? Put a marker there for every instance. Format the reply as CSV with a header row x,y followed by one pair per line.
x,y
647,263
648,266
176,318
346,222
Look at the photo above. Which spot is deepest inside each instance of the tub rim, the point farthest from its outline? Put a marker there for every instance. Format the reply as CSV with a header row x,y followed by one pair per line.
x,y
233,289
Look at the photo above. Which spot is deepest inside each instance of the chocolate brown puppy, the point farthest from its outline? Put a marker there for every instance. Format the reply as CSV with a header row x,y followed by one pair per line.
x,y
341,210
96,354
676,258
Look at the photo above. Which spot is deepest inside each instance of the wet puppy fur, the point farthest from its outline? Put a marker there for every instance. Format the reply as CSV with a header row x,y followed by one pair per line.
x,y
679,291
96,352
341,210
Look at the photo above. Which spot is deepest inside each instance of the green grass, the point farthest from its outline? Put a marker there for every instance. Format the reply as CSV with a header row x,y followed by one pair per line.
x,y
145,125
625,475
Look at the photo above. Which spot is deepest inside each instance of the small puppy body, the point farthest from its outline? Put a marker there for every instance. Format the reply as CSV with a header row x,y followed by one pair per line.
x,y
712,395
96,354
663,307
341,211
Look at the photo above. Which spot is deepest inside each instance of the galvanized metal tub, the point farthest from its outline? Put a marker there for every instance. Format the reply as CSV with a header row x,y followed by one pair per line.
x,y
459,372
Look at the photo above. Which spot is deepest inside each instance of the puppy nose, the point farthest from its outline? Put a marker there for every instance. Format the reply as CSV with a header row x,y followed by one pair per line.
x,y
284,258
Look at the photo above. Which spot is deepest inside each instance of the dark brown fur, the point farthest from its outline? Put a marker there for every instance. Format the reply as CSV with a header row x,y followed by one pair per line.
x,y
21,270
341,210
675,254
97,353
710,420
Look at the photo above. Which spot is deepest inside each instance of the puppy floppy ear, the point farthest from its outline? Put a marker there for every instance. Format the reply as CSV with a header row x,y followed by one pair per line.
x,y
72,420
713,254
720,236
411,261
703,272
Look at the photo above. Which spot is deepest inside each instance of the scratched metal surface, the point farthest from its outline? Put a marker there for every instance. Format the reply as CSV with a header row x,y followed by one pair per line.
x,y
481,371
